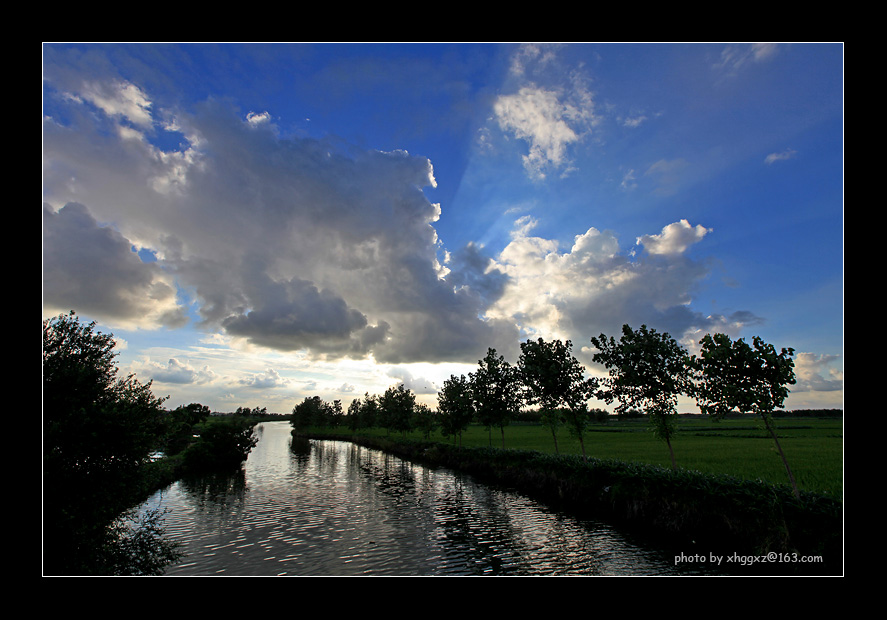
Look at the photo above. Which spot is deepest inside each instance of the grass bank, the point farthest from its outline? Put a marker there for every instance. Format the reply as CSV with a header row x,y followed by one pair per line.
x,y
692,512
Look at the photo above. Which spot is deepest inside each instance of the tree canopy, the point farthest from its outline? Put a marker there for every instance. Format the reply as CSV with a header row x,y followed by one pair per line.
x,y
455,405
98,432
556,380
496,388
646,369
732,376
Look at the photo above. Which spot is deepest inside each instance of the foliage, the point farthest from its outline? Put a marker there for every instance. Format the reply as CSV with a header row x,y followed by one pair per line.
x,y
180,424
738,377
223,445
733,376
496,388
398,405
312,411
555,379
455,404
424,420
369,410
647,369
98,433
354,421
247,412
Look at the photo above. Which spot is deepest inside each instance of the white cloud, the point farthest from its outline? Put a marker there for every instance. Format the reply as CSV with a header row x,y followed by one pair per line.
x,y
674,238
735,57
549,118
266,380
595,288
290,243
537,116
176,372
782,156
119,99
814,373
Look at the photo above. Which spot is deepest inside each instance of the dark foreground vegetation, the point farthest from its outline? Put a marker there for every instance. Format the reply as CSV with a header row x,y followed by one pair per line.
x,y
103,436
684,511
108,443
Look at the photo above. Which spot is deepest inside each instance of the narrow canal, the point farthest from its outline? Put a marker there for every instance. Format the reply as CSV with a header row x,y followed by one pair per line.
x,y
331,508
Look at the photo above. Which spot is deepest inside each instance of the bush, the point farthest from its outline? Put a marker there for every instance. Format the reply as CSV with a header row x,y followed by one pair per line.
x,y
221,446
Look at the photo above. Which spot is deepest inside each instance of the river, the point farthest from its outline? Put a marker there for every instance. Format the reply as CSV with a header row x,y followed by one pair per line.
x,y
331,508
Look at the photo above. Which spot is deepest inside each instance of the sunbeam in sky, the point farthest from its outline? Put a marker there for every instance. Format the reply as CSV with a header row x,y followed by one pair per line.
x,y
258,223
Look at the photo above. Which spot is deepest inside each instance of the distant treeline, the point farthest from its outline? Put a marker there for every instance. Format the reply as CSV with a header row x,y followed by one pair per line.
x,y
810,413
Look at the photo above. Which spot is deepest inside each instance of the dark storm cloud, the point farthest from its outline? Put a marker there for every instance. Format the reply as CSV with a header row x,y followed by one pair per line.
x,y
93,269
292,243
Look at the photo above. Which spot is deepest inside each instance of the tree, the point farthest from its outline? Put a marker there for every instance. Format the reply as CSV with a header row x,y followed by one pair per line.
x,y
496,389
222,446
398,405
354,417
735,376
310,412
647,369
455,404
99,431
556,381
369,410
180,425
424,420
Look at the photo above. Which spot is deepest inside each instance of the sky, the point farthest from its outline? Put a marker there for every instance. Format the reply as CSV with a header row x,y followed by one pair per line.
x,y
260,223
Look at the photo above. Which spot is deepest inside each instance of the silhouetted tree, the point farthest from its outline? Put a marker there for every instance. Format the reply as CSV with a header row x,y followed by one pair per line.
x,y
556,381
222,446
496,389
735,376
180,425
455,404
99,431
354,417
398,405
424,420
647,369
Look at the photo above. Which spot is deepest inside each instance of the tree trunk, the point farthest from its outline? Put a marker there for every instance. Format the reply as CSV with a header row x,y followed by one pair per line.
x,y
554,436
791,478
674,464
582,445
502,428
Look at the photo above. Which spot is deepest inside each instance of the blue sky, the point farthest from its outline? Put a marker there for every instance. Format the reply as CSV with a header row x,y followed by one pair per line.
x,y
260,223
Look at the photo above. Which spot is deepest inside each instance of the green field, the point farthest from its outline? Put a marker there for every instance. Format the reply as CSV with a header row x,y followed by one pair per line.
x,y
737,447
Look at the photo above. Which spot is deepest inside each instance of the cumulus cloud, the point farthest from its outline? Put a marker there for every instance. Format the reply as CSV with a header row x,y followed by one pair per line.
x,y
595,287
266,380
418,385
674,239
548,118
290,243
177,372
93,269
814,373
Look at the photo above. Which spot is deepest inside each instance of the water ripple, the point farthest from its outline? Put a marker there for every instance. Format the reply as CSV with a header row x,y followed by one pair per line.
x,y
347,510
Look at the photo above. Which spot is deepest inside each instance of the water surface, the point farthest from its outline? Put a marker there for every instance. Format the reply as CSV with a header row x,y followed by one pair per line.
x,y
330,508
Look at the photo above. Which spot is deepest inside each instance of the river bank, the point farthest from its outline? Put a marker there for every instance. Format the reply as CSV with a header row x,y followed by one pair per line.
x,y
702,517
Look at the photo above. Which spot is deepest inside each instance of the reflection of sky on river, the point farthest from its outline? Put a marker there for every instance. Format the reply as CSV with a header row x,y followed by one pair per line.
x,y
345,510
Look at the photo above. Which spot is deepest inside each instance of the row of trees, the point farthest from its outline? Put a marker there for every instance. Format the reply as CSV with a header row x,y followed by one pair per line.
x,y
646,370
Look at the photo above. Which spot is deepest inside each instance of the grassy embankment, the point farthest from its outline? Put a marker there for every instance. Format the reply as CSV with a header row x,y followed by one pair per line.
x,y
736,447
729,494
